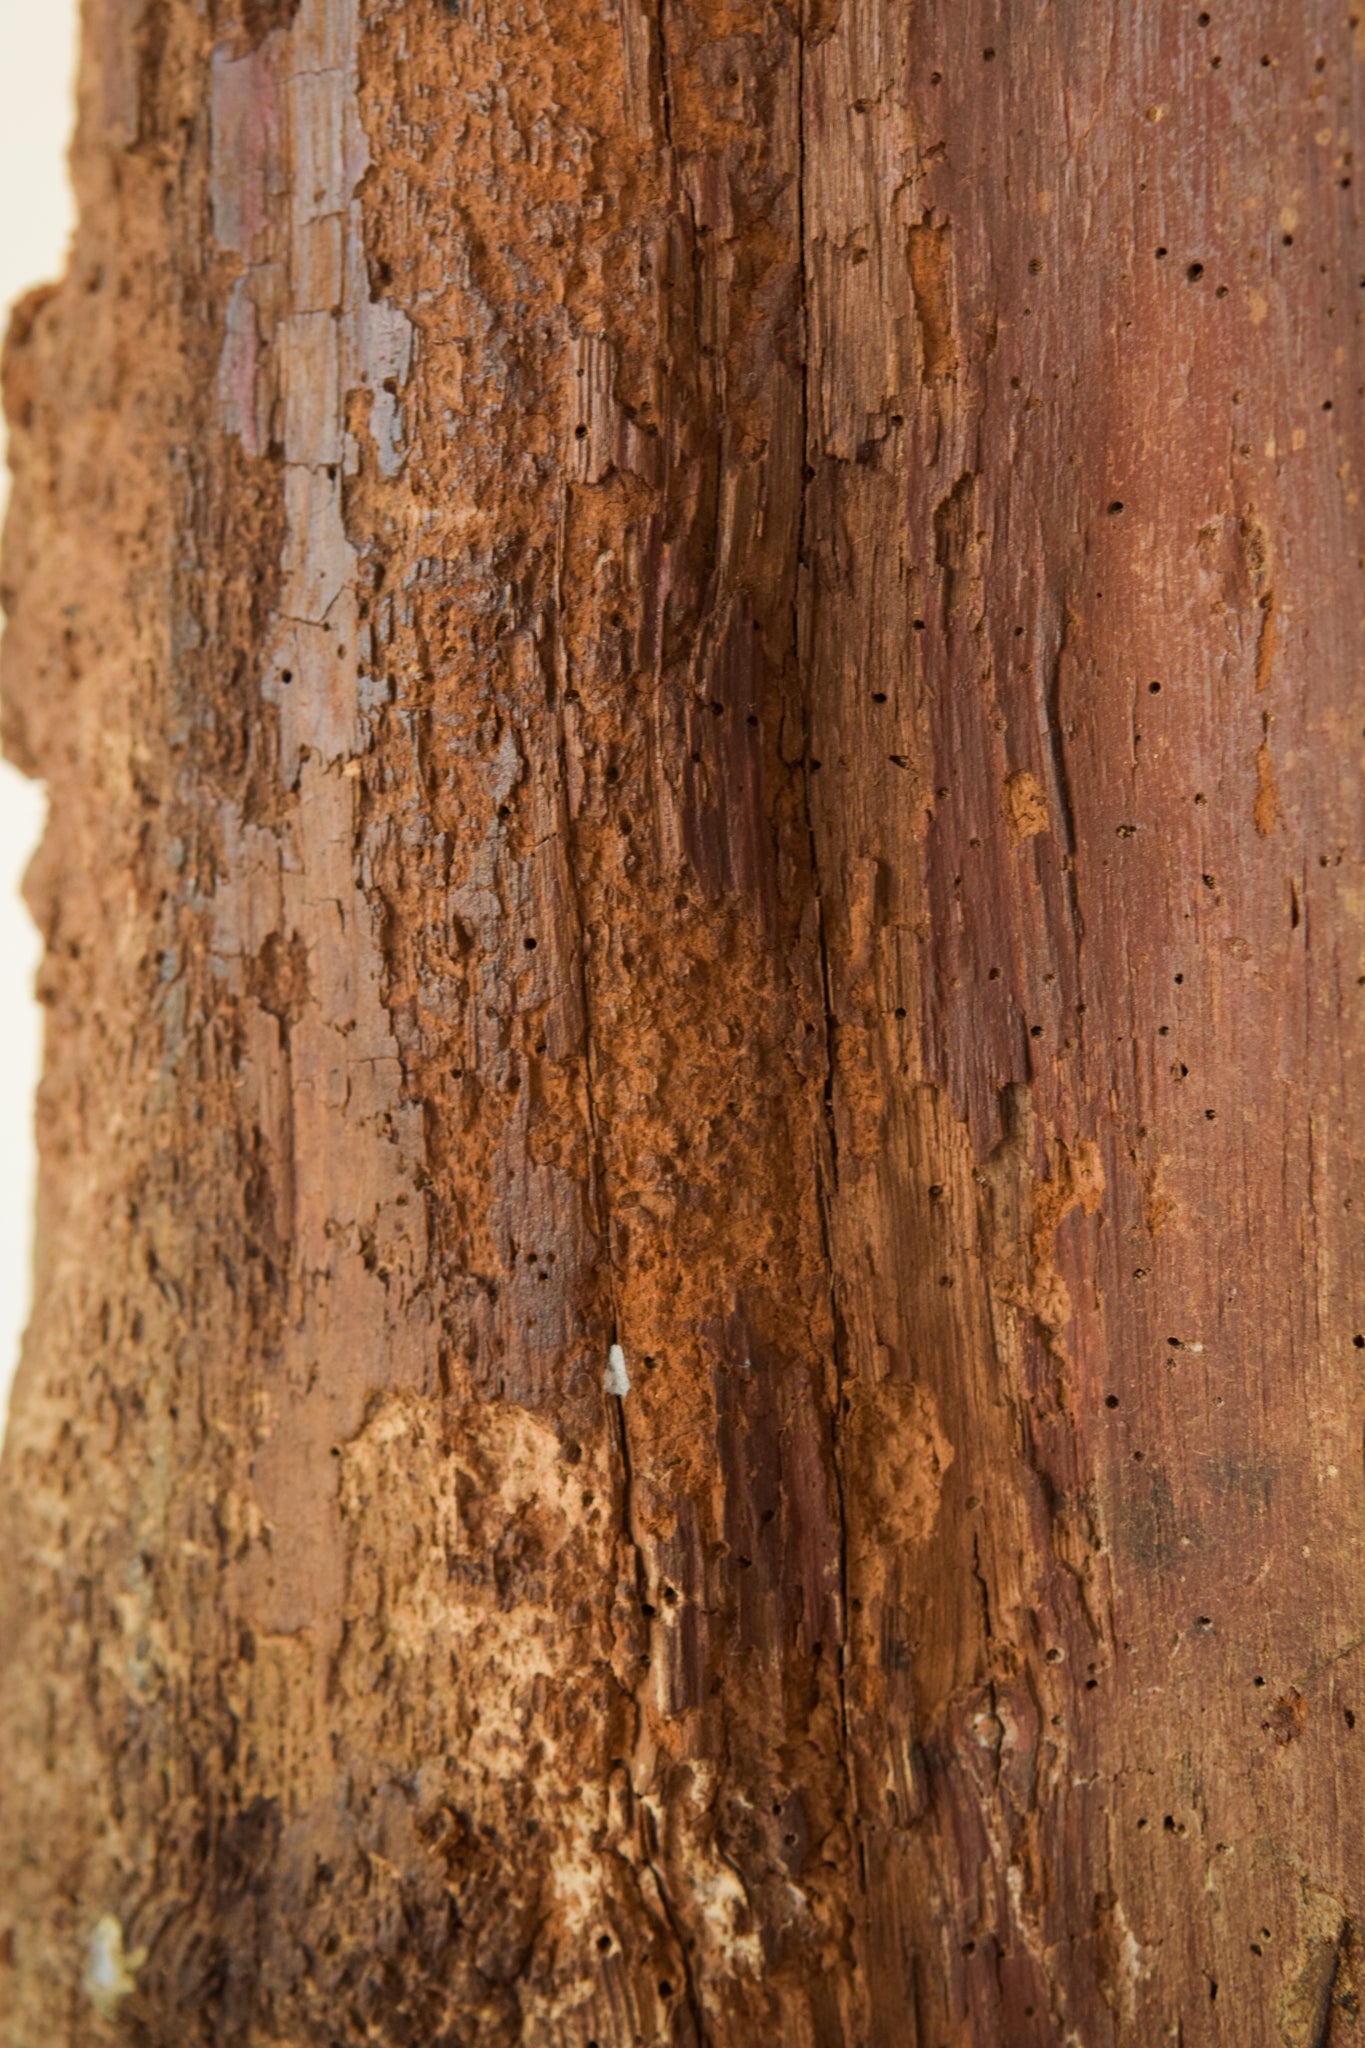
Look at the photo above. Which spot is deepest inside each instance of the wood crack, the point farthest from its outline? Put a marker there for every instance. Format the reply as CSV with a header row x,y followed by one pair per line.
x,y
827,1163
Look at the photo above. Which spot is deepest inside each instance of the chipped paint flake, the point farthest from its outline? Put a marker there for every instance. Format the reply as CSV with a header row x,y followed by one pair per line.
x,y
616,1379
110,1970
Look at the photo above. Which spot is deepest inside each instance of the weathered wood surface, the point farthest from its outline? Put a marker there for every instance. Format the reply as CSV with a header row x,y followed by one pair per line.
x,y
701,676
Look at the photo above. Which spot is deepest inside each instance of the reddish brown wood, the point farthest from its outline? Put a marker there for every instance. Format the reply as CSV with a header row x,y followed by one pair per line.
x,y
700,675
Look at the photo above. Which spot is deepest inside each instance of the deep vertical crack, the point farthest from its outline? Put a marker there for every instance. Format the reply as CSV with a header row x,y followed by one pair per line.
x,y
1061,781
665,94
827,1161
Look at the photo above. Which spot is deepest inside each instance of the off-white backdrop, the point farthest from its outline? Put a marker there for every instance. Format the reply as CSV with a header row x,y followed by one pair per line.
x,y
37,66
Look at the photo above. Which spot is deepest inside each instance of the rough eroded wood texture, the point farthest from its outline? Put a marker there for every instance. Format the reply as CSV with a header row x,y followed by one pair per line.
x,y
700,671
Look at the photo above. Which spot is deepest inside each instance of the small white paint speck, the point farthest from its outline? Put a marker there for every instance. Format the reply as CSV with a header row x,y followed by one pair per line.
x,y
616,1379
110,1969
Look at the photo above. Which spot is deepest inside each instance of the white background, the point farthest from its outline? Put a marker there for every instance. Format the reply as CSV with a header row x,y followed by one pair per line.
x,y
37,69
